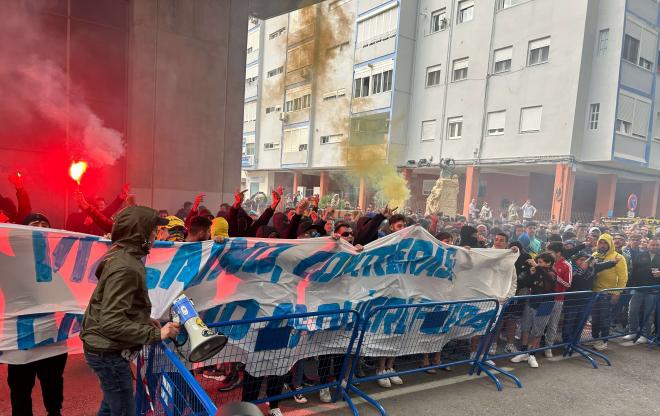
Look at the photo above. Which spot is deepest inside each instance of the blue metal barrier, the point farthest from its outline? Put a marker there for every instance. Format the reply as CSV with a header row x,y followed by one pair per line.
x,y
170,388
536,317
455,330
275,349
613,316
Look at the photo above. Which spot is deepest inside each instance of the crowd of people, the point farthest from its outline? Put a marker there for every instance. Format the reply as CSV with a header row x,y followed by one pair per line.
x,y
553,258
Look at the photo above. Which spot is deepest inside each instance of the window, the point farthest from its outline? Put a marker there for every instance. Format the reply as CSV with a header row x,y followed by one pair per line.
x,y
332,138
502,60
377,28
428,130
632,116
331,95
460,69
276,33
505,4
539,51
273,109
433,76
251,80
298,103
455,128
387,80
361,87
594,112
645,63
275,71
271,146
438,20
496,121
302,147
623,127
639,45
376,83
630,49
603,37
465,11
530,119
249,148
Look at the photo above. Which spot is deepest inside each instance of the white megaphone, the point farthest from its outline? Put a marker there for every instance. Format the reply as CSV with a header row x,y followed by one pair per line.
x,y
204,343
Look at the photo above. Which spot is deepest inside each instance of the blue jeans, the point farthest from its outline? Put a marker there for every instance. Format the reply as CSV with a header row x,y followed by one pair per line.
x,y
641,301
116,379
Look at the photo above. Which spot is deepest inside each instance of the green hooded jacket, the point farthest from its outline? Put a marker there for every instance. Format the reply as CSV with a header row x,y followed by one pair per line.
x,y
118,314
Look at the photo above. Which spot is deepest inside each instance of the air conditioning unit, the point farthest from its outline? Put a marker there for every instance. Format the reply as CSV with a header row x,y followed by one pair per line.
x,y
284,117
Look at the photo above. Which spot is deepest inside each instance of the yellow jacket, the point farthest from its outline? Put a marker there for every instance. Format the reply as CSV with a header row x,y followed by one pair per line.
x,y
614,277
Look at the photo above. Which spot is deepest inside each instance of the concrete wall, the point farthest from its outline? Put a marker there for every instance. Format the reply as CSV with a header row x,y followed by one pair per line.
x,y
96,40
185,99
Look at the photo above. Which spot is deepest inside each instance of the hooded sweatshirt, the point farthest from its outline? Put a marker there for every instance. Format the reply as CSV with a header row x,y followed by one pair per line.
x,y
118,314
614,277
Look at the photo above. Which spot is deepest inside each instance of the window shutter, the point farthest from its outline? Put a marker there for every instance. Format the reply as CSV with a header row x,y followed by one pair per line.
x,y
428,130
539,43
648,41
503,54
496,120
633,29
460,64
641,121
626,108
530,119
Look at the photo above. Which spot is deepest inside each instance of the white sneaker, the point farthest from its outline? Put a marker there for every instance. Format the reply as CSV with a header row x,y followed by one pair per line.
x,y
642,340
383,382
548,353
493,349
509,348
490,362
300,398
532,362
520,358
600,346
630,337
325,396
394,379
275,412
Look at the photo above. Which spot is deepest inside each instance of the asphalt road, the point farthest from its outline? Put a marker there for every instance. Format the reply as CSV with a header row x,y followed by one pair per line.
x,y
559,387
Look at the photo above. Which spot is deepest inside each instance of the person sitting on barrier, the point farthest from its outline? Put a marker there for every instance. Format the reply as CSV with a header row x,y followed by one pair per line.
x,y
540,279
564,273
616,277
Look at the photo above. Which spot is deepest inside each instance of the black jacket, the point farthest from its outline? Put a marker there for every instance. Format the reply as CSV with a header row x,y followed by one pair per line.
x,y
641,273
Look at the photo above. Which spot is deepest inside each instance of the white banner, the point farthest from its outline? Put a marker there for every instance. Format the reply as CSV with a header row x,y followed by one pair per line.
x,y
47,278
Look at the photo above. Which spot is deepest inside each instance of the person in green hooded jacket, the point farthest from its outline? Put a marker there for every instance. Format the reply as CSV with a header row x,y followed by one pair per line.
x,y
117,321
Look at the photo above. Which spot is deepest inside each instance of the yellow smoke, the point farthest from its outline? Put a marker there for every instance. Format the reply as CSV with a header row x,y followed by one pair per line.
x,y
369,162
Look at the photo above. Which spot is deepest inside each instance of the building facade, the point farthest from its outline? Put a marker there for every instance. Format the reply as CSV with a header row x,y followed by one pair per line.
x,y
548,100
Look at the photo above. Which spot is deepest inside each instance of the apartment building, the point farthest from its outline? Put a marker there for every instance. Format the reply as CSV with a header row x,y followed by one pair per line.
x,y
548,100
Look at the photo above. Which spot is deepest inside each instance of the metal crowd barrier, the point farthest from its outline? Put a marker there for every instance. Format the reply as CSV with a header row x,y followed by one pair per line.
x,y
164,385
454,330
618,313
342,344
275,351
525,320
